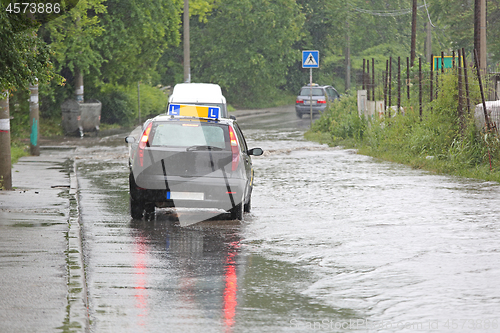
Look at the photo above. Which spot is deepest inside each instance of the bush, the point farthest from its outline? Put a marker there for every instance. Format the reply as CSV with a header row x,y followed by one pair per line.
x,y
437,141
116,108
120,104
341,120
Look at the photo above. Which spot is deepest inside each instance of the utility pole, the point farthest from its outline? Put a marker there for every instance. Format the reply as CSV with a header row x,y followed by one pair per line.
x,y
5,156
347,55
413,32
480,32
34,120
187,57
428,42
34,111
482,35
79,85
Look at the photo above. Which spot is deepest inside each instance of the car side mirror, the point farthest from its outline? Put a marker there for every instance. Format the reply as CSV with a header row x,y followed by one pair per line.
x,y
232,117
129,139
255,152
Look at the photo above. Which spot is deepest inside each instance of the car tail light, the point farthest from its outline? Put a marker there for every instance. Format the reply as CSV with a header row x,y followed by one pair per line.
x,y
234,149
321,101
299,101
143,142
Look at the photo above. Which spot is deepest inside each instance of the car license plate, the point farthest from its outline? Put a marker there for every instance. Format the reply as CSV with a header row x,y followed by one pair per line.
x,y
309,102
185,196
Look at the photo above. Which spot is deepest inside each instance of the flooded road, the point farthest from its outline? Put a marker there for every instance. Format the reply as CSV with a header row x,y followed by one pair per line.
x,y
335,242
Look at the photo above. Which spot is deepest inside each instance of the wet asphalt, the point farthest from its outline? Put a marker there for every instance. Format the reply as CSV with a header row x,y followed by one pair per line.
x,y
335,242
42,275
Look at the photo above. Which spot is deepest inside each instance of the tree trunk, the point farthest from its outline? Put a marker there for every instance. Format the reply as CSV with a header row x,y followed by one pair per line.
x,y
5,156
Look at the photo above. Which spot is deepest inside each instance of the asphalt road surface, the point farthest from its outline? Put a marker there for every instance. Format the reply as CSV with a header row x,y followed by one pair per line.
x,y
335,242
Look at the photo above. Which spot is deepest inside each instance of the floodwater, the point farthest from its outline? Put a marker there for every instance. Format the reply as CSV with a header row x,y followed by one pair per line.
x,y
335,242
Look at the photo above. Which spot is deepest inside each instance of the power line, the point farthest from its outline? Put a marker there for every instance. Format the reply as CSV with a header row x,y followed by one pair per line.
x,y
428,15
397,12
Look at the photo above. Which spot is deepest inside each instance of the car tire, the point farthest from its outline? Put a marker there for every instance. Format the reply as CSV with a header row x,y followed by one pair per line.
x,y
136,208
237,212
299,115
248,206
150,211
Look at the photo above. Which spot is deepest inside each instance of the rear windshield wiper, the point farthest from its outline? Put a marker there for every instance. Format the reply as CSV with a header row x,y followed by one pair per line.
x,y
192,148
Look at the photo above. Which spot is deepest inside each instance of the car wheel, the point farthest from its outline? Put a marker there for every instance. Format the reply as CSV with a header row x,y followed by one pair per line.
x,y
237,212
248,205
136,208
150,211
299,115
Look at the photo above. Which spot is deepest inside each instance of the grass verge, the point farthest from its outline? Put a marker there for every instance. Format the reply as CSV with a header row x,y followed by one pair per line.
x,y
439,141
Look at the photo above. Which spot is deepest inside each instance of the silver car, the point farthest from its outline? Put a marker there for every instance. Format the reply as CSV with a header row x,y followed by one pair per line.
x,y
321,96
192,162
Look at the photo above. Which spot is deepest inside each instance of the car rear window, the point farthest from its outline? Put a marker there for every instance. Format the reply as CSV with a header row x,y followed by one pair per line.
x,y
187,134
315,92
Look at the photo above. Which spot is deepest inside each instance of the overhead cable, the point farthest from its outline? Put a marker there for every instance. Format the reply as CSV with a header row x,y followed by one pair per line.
x,y
428,15
397,12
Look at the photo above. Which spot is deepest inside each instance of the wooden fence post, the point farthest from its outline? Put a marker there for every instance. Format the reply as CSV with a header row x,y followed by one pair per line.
x,y
363,79
420,86
373,78
431,81
399,83
486,118
385,85
390,85
408,77
460,99
368,79
466,81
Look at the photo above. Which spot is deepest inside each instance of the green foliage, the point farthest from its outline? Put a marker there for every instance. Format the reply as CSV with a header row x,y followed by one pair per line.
x,y
116,106
153,101
24,58
73,37
120,104
16,152
136,34
341,121
251,48
439,140
249,57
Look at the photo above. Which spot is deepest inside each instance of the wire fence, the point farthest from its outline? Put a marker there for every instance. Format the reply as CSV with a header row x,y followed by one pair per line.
x,y
400,85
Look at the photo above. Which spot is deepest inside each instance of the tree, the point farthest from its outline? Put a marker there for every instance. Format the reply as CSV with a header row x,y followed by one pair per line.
x,y
23,56
455,26
136,34
324,30
73,38
247,47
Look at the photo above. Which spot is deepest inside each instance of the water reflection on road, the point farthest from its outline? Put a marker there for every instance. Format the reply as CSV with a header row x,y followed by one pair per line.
x,y
335,242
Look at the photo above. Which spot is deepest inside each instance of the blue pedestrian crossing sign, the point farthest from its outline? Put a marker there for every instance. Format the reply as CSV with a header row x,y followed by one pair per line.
x,y
310,59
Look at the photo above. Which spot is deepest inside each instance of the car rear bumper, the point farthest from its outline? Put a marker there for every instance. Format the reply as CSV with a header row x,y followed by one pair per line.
x,y
202,192
306,109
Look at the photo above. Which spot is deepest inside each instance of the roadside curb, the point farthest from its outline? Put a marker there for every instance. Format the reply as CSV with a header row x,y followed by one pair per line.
x,y
77,285
257,112
248,113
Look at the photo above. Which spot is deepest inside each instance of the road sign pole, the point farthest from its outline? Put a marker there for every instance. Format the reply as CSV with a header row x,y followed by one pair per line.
x,y
311,94
310,59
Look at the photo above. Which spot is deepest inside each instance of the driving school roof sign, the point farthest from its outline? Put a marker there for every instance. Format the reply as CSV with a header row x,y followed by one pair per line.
x,y
198,111
310,59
